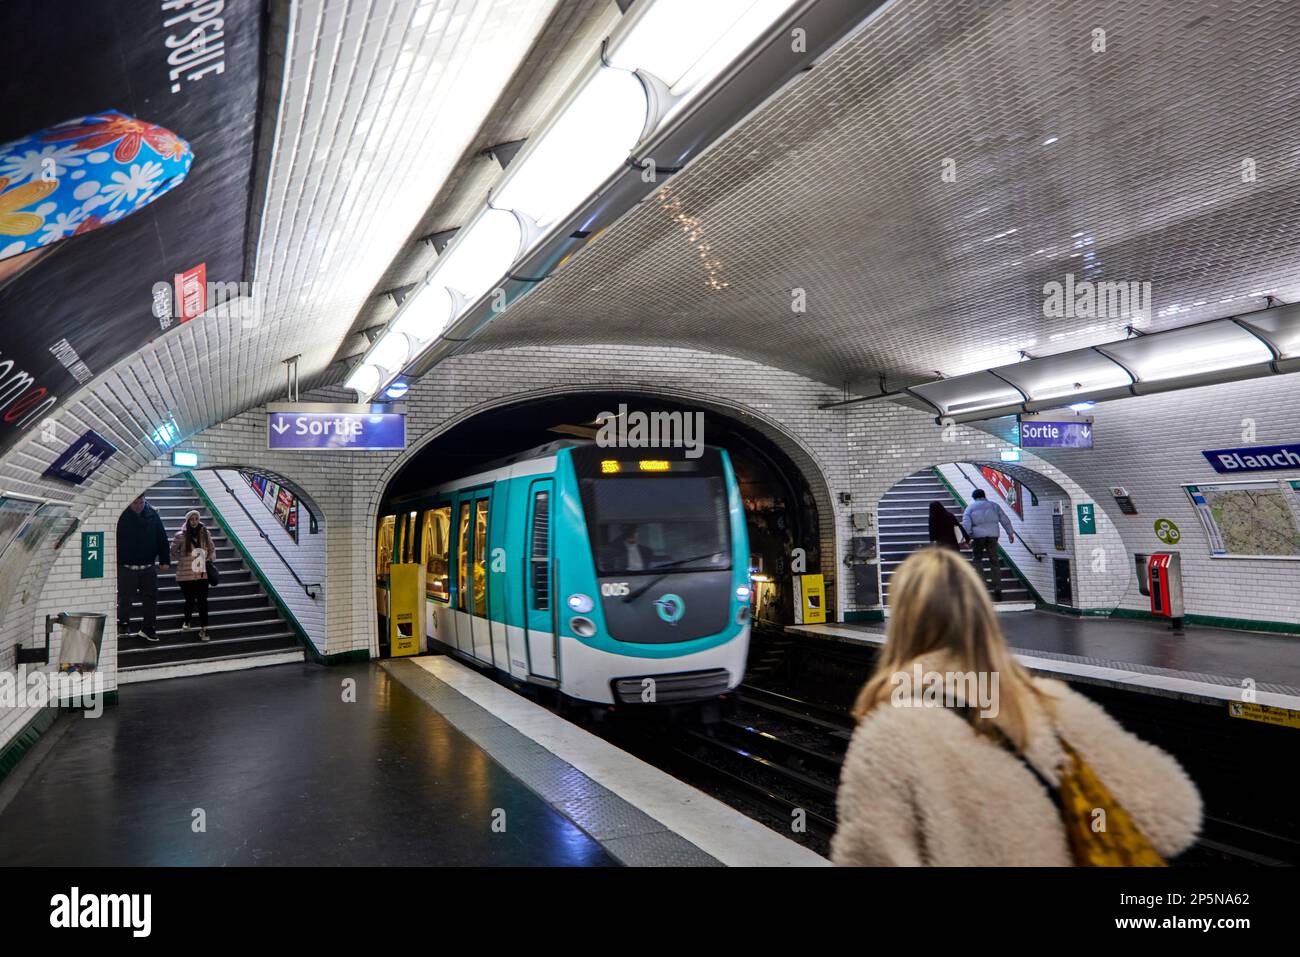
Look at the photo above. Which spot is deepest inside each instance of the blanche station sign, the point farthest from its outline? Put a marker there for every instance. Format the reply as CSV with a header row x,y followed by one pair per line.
x,y
314,425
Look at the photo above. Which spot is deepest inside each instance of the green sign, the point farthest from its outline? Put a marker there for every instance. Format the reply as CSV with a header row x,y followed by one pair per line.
x,y
92,554
1167,531
1087,520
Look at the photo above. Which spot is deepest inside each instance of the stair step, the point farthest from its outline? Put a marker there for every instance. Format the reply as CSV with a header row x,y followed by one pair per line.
x,y
194,650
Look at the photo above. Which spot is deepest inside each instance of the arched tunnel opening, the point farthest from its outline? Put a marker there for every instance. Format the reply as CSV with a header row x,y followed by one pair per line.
x,y
781,512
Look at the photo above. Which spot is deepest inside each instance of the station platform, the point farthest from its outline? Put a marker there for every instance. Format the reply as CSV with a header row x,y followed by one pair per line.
x,y
1204,664
410,762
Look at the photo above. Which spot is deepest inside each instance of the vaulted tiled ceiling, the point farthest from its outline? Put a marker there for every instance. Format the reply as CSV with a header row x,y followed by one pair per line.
x,y
373,103
1120,164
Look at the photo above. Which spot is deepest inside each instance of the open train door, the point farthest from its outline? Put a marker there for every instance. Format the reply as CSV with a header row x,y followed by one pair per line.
x,y
540,599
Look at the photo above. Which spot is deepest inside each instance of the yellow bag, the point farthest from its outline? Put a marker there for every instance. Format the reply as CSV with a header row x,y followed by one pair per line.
x,y
1119,843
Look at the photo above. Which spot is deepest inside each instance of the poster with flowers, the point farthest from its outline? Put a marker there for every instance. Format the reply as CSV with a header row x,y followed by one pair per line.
x,y
127,147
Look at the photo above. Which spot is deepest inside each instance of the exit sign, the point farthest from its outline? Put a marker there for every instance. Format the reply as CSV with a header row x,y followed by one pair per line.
x,y
92,554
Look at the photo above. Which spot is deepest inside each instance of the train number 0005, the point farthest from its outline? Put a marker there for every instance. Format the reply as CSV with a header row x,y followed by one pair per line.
x,y
614,589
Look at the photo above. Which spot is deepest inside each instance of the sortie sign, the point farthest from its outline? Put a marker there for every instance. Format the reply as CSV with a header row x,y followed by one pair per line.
x,y
355,431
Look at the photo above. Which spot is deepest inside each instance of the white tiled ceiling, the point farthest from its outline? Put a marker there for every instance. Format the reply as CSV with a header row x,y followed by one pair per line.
x,y
836,188
379,101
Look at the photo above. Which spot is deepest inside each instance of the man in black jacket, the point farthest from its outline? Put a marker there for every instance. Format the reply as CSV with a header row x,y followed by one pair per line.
x,y
140,539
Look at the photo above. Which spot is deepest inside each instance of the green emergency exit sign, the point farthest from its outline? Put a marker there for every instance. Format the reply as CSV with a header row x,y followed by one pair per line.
x,y
92,554
1087,520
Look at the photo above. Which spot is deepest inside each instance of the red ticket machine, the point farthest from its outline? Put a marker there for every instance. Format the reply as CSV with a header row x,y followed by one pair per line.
x,y
1165,579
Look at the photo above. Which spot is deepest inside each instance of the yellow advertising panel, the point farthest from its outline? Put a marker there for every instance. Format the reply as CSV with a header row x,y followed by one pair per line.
x,y
406,609
1267,714
811,595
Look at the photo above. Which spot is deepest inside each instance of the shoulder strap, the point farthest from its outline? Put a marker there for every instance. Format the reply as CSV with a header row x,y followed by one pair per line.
x,y
1007,744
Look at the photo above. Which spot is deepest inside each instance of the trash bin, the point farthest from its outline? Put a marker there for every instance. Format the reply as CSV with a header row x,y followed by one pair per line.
x,y
83,634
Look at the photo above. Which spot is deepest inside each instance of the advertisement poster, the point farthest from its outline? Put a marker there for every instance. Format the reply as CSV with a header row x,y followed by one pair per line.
x,y
126,159
1006,486
279,501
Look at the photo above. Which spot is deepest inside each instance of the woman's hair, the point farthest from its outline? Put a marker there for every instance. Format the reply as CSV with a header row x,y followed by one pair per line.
x,y
939,611
193,533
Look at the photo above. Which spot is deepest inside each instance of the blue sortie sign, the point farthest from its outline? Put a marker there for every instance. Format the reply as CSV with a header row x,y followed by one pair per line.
x,y
1056,435
335,430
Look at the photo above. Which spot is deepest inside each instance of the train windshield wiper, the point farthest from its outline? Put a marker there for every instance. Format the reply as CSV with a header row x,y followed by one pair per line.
x,y
634,595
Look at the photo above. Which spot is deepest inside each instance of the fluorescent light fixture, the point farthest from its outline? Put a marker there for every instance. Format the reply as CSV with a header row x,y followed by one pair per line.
x,y
1082,406
186,460
589,141
686,43
398,389
427,312
364,379
390,352
1191,351
1009,455
478,257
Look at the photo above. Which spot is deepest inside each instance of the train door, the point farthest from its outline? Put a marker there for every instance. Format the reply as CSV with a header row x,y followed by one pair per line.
x,y
463,601
538,591
437,579
383,565
481,635
498,523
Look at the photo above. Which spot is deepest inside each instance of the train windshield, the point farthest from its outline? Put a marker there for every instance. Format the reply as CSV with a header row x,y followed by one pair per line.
x,y
657,523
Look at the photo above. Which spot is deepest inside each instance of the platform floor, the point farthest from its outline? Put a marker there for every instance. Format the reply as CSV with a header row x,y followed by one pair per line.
x,y
430,763
1203,662
286,772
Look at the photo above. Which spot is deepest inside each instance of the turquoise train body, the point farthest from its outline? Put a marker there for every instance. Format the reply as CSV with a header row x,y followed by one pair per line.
x,y
613,575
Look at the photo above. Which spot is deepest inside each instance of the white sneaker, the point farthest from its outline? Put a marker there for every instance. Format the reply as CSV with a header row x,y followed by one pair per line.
x,y
203,634
186,626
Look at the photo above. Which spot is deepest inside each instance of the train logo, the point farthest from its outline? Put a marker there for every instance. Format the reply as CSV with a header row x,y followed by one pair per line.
x,y
670,608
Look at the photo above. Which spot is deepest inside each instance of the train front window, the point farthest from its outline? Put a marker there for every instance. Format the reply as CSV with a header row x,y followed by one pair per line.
x,y
652,524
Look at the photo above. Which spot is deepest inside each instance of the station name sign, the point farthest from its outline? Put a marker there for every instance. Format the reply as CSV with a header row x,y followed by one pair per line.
x,y
1039,434
1257,458
357,428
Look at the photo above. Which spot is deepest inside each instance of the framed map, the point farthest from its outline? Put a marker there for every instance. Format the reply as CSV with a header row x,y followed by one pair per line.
x,y
1249,519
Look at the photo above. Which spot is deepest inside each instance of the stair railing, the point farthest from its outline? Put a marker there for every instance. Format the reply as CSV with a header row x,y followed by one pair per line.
x,y
1020,538
267,538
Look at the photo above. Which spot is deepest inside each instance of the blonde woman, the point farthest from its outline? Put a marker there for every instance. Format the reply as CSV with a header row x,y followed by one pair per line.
x,y
957,745
191,549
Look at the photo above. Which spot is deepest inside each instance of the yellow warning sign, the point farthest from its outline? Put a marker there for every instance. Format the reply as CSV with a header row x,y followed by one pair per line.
x,y
405,609
1266,714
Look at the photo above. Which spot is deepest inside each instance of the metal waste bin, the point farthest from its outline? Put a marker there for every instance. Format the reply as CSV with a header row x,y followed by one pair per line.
x,y
82,636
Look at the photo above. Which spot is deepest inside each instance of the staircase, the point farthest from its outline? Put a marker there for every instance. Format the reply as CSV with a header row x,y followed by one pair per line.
x,y
243,622
903,519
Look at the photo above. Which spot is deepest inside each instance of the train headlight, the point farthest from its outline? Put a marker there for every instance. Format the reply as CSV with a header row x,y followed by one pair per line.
x,y
581,603
743,593
582,627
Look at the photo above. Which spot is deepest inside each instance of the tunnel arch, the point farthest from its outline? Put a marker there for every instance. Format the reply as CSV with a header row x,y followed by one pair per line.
x,y
793,447
1102,573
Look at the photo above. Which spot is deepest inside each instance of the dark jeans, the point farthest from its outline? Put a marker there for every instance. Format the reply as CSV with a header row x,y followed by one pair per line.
x,y
131,582
988,547
196,593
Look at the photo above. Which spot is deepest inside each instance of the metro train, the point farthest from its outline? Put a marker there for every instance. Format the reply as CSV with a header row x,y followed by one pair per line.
x,y
612,576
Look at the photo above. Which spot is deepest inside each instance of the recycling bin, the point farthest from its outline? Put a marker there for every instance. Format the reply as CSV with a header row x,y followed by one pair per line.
x,y
82,637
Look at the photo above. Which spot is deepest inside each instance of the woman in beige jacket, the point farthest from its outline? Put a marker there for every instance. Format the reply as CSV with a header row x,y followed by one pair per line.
x,y
941,780
191,549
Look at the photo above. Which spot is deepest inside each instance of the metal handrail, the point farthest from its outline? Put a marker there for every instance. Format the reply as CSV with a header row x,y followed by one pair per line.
x,y
267,538
1020,538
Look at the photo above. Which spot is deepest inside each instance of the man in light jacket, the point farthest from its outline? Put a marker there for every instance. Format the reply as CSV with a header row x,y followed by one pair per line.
x,y
981,520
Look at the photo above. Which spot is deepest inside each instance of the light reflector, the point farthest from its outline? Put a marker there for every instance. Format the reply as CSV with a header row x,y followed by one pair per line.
x,y
686,43
590,140
479,257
